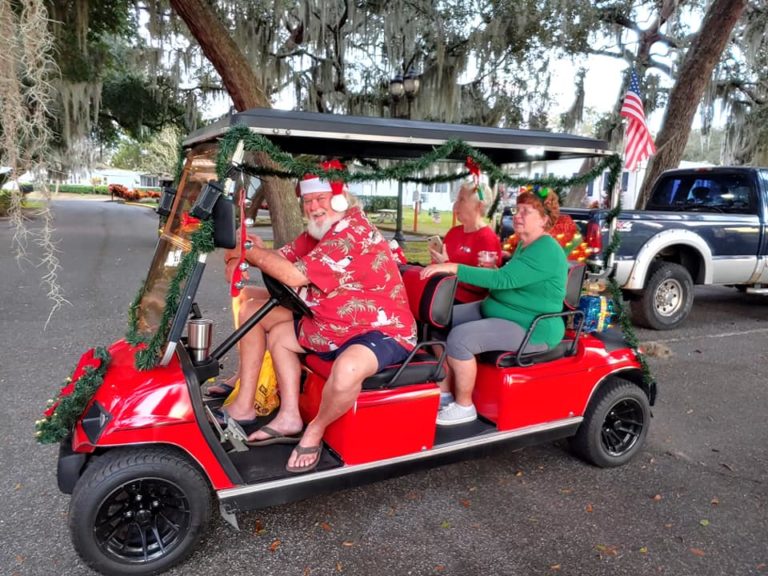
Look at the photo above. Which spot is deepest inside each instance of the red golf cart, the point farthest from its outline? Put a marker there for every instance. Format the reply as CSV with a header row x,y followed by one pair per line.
x,y
146,458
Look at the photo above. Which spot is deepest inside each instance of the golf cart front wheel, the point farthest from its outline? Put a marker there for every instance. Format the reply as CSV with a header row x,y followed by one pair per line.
x,y
138,511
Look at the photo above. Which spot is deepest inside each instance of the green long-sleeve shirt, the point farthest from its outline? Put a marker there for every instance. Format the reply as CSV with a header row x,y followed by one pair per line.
x,y
531,283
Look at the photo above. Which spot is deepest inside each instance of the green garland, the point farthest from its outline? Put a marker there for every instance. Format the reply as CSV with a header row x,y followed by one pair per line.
x,y
66,408
148,357
407,171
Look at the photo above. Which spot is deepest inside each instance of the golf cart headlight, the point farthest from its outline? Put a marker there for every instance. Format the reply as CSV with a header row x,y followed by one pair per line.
x,y
94,422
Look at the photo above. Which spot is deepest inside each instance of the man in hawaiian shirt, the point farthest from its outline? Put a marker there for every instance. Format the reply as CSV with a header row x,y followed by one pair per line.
x,y
361,318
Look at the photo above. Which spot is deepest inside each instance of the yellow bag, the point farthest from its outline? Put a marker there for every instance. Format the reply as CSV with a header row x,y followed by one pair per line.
x,y
267,398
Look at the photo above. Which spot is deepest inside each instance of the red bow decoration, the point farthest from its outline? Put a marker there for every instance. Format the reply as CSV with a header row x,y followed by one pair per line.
x,y
337,186
187,220
474,169
88,360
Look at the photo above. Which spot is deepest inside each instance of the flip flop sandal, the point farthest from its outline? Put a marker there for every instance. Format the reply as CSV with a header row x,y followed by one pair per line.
x,y
226,390
303,451
222,416
274,437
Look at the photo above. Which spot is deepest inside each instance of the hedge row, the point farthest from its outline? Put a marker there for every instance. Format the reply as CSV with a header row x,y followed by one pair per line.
x,y
134,194
376,203
89,189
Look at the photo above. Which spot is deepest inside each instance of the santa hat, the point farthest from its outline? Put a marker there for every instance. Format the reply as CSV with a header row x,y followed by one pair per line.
x,y
312,183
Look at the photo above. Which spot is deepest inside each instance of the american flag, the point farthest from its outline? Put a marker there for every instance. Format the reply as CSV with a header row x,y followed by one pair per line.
x,y
639,144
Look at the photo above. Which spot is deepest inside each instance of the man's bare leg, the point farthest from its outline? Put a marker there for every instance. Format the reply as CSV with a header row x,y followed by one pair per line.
x,y
341,390
285,350
252,348
251,298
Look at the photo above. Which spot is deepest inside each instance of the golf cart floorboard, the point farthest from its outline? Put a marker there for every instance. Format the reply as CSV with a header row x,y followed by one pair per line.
x,y
265,463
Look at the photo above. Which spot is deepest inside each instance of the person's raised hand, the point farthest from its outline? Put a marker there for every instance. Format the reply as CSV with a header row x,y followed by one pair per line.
x,y
439,257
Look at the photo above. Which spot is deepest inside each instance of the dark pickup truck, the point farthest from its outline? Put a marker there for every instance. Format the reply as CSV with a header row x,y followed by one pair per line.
x,y
700,226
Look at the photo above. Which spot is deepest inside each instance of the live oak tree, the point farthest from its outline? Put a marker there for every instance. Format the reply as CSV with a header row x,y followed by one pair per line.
x,y
700,60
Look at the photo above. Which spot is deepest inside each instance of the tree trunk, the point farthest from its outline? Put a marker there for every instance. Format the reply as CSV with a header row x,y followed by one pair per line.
x,y
703,55
246,92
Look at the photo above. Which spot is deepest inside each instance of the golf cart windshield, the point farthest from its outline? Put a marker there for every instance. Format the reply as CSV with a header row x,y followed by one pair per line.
x,y
175,240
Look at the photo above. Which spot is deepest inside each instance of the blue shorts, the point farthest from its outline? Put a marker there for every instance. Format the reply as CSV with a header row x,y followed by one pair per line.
x,y
385,348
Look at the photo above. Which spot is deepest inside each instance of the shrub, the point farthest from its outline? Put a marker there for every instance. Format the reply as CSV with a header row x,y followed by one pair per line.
x,y
376,203
80,189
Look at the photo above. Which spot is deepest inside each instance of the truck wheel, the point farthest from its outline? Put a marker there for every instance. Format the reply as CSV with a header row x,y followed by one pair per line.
x,y
615,425
667,298
138,511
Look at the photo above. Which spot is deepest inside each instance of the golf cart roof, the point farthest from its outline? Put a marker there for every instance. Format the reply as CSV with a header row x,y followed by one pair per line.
x,y
369,137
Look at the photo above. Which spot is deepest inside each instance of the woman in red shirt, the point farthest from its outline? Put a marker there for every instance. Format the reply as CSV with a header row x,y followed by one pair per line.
x,y
463,243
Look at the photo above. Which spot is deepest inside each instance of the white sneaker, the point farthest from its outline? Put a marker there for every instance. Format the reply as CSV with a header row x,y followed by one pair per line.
x,y
456,414
445,399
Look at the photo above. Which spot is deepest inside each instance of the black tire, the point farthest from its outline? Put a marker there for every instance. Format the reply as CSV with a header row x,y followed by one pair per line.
x,y
615,424
666,299
138,511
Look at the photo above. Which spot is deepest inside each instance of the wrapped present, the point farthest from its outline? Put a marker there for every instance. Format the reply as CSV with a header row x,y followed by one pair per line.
x,y
598,312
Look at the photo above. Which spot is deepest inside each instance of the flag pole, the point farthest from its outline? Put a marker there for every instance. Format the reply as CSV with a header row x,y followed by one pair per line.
x,y
615,201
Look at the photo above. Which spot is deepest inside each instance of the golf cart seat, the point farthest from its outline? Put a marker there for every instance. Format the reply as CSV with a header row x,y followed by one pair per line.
x,y
567,347
431,302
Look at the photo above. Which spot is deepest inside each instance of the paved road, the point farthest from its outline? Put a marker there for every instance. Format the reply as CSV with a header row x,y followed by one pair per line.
x,y
693,503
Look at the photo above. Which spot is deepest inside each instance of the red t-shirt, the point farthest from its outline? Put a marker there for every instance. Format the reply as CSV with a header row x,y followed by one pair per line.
x,y
462,248
355,286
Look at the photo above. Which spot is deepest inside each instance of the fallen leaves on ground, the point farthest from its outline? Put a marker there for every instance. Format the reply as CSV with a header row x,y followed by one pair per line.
x,y
715,501
657,498
325,526
466,503
607,549
445,524
704,522
258,528
555,567
275,545
698,552
348,543
643,550
588,508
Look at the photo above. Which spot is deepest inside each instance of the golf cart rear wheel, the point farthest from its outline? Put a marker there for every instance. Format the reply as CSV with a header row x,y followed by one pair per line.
x,y
615,424
138,511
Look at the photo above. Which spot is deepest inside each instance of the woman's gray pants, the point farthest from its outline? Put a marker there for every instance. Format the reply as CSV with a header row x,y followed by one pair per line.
x,y
472,334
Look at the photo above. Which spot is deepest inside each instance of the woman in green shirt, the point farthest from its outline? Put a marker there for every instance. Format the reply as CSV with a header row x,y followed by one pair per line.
x,y
532,282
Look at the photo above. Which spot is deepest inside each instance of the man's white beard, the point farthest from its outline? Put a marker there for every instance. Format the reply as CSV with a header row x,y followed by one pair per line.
x,y
317,231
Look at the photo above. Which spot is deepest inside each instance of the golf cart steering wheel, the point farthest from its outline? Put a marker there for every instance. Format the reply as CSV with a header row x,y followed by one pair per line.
x,y
286,296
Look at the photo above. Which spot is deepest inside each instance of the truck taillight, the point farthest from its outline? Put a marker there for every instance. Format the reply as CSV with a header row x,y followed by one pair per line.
x,y
593,238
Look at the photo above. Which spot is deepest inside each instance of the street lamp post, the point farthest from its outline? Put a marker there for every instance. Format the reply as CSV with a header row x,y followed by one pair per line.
x,y
400,86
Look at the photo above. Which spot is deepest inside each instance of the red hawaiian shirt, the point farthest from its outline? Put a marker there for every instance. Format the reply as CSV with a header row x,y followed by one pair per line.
x,y
355,286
